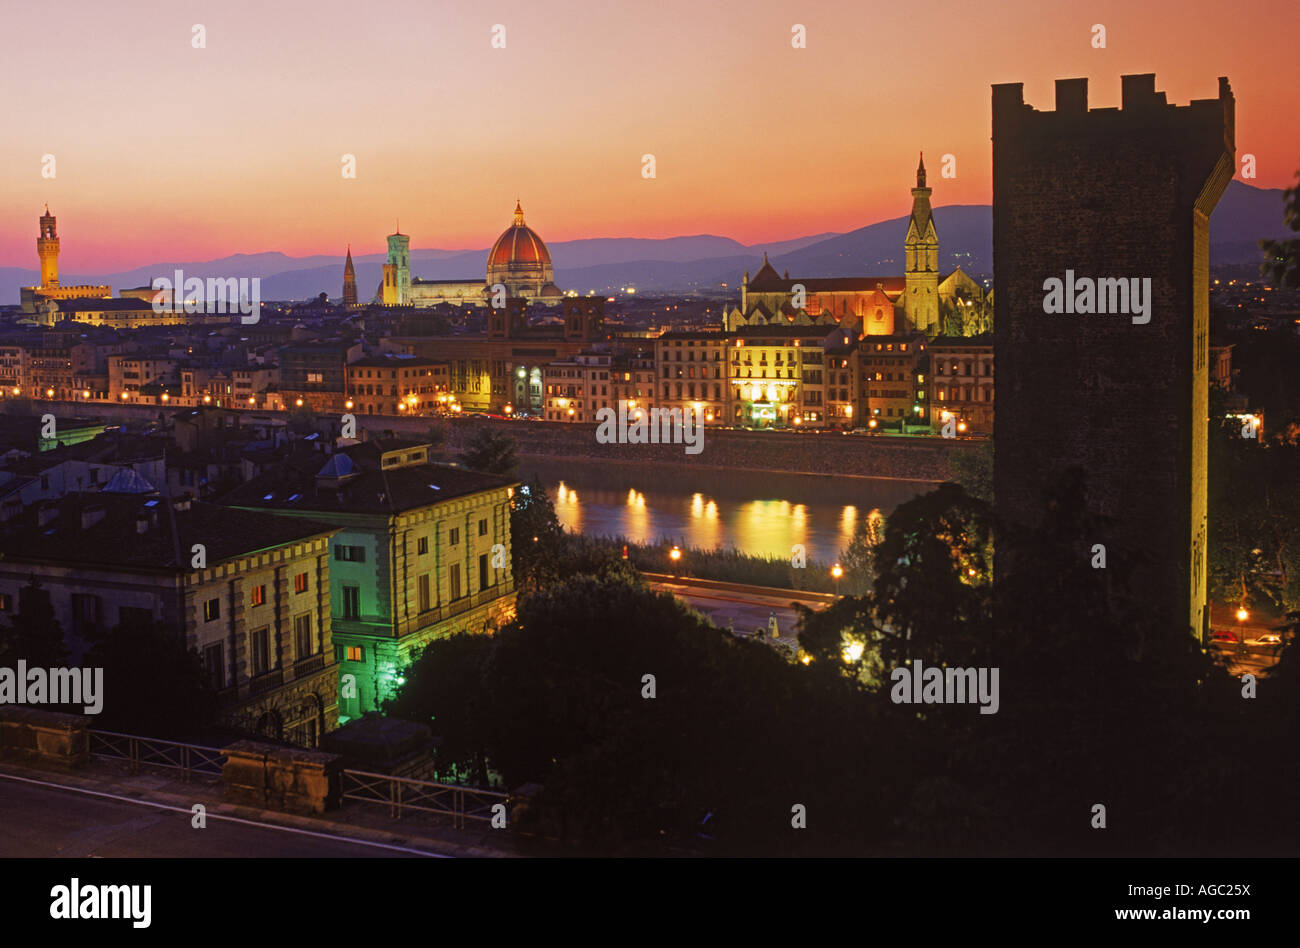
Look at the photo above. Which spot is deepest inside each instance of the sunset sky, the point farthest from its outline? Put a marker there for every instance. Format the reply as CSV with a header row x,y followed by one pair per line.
x,y
166,152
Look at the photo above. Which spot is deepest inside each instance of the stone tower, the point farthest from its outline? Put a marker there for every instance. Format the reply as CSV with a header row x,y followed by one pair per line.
x,y
1110,198
399,258
922,250
349,281
47,248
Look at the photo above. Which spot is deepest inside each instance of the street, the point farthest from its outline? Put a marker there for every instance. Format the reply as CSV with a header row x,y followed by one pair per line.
x,y
43,819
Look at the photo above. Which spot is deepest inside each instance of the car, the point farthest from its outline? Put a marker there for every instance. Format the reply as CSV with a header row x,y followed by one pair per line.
x,y
1268,638
1223,636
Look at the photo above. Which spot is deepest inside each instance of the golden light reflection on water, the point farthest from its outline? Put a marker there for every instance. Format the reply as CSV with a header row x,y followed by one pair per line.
x,y
769,527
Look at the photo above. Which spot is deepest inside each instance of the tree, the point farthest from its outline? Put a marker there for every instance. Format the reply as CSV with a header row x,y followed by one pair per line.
x,y
492,452
154,685
444,688
34,634
972,468
859,559
537,539
932,593
1283,265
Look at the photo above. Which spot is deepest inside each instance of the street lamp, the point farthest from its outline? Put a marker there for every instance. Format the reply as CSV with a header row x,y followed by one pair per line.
x,y
675,554
837,571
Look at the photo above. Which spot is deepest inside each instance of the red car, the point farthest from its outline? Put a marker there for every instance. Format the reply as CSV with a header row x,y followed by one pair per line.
x,y
1222,636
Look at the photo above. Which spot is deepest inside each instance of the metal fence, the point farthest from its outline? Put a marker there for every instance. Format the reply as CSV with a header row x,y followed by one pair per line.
x,y
189,759
401,794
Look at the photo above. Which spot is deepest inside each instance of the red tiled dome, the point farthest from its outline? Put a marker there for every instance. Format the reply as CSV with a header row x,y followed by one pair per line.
x,y
519,245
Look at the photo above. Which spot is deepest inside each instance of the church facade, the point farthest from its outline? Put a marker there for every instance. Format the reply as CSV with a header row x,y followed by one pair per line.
x,y
919,300
518,261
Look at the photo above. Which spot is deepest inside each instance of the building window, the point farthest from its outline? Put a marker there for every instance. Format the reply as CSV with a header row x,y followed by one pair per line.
x,y
302,635
259,595
350,554
211,610
421,546
6,602
483,582
354,653
482,527
213,667
422,592
453,580
351,602
259,647
300,583
453,536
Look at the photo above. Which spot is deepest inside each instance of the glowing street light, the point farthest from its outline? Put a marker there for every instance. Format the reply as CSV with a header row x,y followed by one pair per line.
x,y
49,393
347,404
1242,614
837,571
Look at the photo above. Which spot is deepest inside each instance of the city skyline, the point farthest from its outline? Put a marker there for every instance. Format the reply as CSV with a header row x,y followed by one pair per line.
x,y
753,139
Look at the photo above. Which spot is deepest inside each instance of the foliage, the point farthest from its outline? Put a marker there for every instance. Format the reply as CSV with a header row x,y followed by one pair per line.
x,y
972,468
491,451
1283,265
153,684
33,634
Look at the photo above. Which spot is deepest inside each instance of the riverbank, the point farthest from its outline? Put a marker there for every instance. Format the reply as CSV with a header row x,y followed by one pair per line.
x,y
809,453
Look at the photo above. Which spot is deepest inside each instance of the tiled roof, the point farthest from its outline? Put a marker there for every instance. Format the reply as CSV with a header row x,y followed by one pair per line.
x,y
115,538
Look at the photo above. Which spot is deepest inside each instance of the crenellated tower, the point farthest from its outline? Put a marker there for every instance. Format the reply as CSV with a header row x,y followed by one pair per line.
x,y
47,248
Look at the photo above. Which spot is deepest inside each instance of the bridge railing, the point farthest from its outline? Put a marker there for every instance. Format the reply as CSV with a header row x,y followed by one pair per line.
x,y
404,794
190,759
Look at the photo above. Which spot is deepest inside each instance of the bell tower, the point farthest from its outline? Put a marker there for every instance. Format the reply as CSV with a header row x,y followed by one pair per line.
x,y
47,248
922,250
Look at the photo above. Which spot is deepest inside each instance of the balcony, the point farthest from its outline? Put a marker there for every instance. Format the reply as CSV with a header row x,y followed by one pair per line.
x,y
310,664
266,682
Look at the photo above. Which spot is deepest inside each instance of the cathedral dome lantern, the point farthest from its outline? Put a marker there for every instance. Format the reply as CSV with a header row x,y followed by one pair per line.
x,y
519,260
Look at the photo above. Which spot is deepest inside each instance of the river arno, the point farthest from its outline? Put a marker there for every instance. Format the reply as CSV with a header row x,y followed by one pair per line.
x,y
756,512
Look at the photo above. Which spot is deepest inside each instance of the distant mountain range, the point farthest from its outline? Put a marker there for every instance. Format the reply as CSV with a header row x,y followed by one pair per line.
x,y
679,264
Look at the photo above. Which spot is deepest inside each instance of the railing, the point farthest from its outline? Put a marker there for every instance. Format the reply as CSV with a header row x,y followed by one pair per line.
x,y
189,759
403,794
308,665
266,681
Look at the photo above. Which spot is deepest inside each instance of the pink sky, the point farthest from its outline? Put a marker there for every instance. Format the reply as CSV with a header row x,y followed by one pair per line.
x,y
166,152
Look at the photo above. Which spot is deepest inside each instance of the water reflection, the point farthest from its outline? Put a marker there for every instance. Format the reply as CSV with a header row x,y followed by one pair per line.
x,y
719,510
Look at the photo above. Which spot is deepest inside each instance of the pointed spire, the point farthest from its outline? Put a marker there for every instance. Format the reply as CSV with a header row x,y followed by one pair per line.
x,y
920,172
519,213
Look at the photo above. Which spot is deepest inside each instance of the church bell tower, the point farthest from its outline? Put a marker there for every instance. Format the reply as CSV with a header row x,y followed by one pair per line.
x,y
922,250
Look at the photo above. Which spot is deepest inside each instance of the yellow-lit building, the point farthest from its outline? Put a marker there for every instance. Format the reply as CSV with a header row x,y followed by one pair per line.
x,y
47,249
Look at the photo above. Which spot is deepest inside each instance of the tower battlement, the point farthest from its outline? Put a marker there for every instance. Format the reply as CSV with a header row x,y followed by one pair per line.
x,y
1116,195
